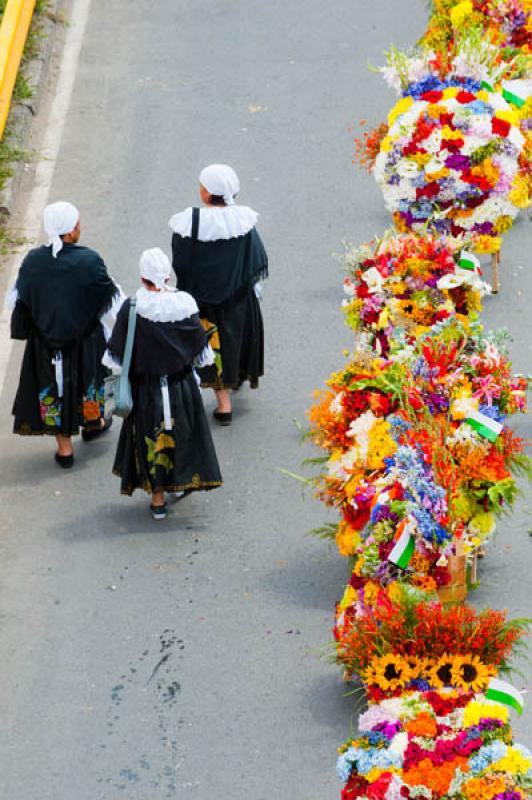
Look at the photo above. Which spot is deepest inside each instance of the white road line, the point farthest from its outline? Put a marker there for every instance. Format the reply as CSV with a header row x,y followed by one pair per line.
x,y
44,172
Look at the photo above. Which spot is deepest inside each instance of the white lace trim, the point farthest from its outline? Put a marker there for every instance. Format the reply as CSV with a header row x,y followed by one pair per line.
x,y
216,222
108,318
170,306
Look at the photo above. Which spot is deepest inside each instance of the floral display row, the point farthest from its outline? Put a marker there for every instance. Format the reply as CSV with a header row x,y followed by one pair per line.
x,y
419,458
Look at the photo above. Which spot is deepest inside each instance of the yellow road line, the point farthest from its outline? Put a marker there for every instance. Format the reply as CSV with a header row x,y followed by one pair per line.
x,y
13,33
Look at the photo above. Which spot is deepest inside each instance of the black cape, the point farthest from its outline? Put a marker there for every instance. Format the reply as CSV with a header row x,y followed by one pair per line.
x,y
215,272
159,348
64,296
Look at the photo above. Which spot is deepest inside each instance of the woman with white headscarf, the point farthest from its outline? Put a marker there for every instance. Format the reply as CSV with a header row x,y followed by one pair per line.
x,y
165,444
219,258
63,304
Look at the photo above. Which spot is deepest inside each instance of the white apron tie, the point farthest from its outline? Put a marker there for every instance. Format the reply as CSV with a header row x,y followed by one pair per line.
x,y
166,404
57,361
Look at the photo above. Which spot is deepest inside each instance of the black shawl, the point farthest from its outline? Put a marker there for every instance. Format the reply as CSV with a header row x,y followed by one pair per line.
x,y
215,272
64,296
160,348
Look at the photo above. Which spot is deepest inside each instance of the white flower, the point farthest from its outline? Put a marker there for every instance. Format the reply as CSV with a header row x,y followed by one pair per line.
x,y
336,404
399,744
373,279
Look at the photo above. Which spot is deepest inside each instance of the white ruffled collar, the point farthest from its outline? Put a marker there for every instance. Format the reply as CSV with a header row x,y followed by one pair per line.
x,y
216,222
172,306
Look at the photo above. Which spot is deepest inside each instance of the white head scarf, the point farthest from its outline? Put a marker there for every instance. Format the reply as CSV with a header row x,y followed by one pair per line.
x,y
155,267
59,219
221,180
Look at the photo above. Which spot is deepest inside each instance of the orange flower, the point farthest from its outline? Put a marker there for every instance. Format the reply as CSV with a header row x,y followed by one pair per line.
x,y
437,779
423,725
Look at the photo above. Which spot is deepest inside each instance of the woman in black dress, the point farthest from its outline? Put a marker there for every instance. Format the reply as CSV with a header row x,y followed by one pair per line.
x,y
218,257
165,443
64,304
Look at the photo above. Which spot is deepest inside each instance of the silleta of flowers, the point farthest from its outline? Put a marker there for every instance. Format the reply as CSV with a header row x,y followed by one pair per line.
x,y
451,160
402,285
413,644
435,744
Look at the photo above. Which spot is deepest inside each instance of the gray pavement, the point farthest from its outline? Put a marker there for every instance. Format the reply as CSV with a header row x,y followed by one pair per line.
x,y
94,595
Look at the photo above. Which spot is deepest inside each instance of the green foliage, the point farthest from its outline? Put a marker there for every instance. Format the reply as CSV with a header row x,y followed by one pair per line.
x,y
327,531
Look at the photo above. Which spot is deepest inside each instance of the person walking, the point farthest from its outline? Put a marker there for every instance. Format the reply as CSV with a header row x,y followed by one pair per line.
x,y
63,305
219,258
165,443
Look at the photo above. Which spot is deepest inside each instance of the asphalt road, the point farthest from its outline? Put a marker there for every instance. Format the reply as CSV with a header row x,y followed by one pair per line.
x,y
183,659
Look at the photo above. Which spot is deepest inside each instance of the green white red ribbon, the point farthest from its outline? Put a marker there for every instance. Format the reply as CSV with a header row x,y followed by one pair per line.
x,y
469,261
503,692
403,550
517,92
485,426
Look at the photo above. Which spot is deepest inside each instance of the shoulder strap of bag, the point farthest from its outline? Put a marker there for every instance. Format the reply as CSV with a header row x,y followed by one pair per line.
x,y
128,350
194,233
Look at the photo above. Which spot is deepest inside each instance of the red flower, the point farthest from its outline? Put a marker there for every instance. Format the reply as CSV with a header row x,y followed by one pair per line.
x,y
500,127
465,97
355,787
433,96
378,789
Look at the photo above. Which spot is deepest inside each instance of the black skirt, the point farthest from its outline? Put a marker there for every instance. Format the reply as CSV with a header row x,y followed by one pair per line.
x,y
157,460
239,346
38,409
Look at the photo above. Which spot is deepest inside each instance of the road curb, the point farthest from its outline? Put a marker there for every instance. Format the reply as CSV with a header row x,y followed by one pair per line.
x,y
22,114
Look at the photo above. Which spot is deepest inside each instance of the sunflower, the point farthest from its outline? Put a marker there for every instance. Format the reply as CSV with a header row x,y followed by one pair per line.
x,y
468,672
440,673
388,672
419,667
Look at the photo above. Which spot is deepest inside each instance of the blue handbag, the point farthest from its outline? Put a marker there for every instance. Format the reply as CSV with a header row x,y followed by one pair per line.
x,y
118,395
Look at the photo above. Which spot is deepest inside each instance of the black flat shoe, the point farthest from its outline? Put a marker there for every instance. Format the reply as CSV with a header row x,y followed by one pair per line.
x,y
223,417
93,433
65,462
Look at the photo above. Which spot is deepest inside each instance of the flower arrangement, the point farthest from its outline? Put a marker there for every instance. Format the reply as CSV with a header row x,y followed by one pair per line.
x,y
435,744
451,161
402,285
419,644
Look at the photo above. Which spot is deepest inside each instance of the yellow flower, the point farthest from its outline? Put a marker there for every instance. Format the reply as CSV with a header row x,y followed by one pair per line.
x,y
475,711
483,524
468,672
388,672
450,92
449,133
347,539
439,675
386,144
395,592
349,598
460,13
371,592
436,176
520,192
508,116
487,244
399,108
514,762
503,223
463,404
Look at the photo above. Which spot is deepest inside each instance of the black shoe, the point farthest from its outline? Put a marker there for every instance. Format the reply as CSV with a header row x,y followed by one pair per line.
x,y
93,433
66,462
223,417
159,512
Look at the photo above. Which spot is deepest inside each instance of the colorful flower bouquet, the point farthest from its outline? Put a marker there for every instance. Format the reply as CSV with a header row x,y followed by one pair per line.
x,y
507,23
415,644
402,285
450,161
435,744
